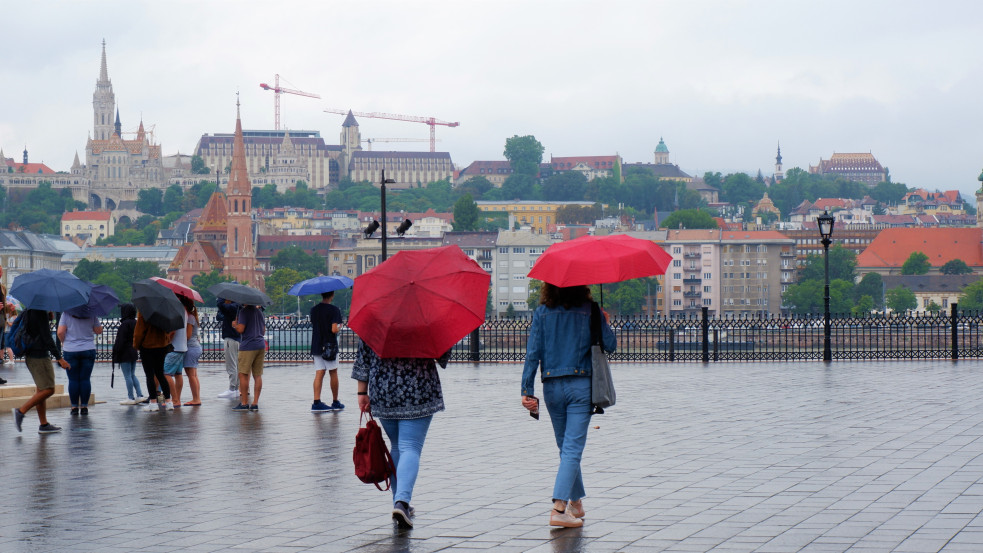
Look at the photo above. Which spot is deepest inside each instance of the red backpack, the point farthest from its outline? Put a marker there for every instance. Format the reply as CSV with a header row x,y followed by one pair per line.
x,y
373,464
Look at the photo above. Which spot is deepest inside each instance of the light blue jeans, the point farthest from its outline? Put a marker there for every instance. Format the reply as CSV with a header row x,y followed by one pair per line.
x,y
568,402
406,437
132,382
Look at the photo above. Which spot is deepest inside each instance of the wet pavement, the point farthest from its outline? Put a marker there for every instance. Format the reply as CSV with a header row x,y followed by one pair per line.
x,y
863,457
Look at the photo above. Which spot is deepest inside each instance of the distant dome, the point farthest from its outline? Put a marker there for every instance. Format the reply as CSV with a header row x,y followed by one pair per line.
x,y
661,148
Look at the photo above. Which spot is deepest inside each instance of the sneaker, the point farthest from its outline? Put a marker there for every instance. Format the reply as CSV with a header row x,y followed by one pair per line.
x,y
319,407
170,405
254,407
2,382
141,399
565,519
401,514
75,411
84,411
241,407
48,429
18,418
229,394
152,408
576,509
127,402
337,405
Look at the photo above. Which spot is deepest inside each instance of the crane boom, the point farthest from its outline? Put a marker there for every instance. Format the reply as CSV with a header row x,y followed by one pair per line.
x,y
430,121
277,90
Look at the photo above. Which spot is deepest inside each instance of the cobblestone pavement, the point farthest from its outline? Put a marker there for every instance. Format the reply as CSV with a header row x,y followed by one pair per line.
x,y
863,457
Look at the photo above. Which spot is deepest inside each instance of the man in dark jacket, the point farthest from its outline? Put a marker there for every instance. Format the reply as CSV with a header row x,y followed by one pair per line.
x,y
227,313
37,326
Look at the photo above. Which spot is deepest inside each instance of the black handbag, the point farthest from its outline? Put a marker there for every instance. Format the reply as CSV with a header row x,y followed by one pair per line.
x,y
330,352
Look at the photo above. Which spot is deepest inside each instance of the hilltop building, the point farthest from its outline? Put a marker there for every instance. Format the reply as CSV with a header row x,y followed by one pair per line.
x,y
855,167
662,168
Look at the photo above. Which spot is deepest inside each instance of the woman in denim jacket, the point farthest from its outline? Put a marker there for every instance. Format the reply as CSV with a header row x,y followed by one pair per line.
x,y
559,345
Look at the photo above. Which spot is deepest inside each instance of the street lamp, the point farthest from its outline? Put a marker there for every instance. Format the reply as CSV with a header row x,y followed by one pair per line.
x,y
383,184
825,222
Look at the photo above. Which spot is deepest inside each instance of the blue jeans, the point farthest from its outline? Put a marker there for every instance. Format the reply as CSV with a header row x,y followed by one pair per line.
x,y
568,402
79,372
132,382
406,437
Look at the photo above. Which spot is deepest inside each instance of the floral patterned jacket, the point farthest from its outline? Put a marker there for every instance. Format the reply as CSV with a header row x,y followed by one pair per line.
x,y
401,387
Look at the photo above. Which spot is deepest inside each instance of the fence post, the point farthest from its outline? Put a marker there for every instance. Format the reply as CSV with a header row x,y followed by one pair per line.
x,y
473,346
705,327
672,344
955,331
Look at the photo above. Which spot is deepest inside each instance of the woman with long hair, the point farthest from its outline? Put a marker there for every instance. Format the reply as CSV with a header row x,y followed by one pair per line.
x,y
77,330
559,346
126,355
193,354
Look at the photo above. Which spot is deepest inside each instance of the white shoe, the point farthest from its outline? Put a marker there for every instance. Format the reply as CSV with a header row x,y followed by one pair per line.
x,y
229,394
152,408
170,405
128,402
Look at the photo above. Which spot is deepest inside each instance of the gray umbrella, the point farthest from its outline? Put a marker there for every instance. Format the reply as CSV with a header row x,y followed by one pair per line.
x,y
240,293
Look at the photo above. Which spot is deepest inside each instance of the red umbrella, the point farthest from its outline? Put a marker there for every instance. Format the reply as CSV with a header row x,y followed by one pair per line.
x,y
600,259
179,288
419,303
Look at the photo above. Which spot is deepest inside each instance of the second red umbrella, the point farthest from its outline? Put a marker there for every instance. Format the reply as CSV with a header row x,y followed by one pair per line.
x,y
600,259
419,303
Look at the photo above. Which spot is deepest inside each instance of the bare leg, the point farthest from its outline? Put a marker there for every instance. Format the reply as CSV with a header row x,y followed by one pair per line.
x,y
194,384
37,401
333,382
257,388
318,383
244,389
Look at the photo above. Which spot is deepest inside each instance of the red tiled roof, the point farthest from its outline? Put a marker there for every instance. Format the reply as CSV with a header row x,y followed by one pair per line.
x,y
829,203
32,168
86,216
893,246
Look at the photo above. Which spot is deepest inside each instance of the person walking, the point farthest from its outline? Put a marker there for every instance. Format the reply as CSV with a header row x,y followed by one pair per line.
x,y
174,361
153,344
193,354
11,311
227,313
37,327
559,346
403,393
325,321
252,347
77,335
126,355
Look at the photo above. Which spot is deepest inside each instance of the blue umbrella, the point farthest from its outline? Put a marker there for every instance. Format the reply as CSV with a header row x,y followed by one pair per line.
x,y
49,290
102,300
320,285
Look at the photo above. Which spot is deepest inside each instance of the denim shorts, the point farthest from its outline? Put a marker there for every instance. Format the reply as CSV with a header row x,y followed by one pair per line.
x,y
173,363
192,356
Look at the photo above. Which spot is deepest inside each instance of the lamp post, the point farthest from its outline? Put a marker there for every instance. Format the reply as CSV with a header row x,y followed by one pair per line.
x,y
825,222
383,183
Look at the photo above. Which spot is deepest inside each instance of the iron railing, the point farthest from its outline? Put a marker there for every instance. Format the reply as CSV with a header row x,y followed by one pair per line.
x,y
941,335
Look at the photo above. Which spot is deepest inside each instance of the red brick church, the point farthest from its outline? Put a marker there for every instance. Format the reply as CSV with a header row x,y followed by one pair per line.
x,y
223,236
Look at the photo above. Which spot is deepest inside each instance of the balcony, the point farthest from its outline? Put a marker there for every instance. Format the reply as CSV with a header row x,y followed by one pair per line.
x,y
788,254
691,294
692,280
692,255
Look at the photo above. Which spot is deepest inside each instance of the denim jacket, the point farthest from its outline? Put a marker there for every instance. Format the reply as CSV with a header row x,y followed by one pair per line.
x,y
559,344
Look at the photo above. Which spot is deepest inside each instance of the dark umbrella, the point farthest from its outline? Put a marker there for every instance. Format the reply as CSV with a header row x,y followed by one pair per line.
x,y
102,300
320,285
158,305
49,290
419,303
239,293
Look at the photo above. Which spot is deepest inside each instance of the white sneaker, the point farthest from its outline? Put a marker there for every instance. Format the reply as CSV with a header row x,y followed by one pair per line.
x,y
229,394
152,408
170,405
127,402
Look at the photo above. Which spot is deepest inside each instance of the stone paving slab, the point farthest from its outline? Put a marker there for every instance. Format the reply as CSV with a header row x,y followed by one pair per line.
x,y
754,457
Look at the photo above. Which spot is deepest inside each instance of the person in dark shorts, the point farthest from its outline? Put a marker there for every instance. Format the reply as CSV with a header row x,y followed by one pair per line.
x,y
38,328
325,321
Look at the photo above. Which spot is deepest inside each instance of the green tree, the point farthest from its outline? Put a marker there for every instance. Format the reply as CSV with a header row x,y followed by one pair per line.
x,y
509,312
519,186
565,186
956,267
629,296
972,297
294,257
689,219
466,213
842,265
807,297
151,200
476,186
740,187
871,285
172,199
863,307
524,153
277,285
901,299
889,192
198,166
202,281
916,264
533,299
933,307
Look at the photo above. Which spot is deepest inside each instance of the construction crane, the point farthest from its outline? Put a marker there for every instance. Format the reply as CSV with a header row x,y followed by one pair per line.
x,y
432,121
371,140
277,90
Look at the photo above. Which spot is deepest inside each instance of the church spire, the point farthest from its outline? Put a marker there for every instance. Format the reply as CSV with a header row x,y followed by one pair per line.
x,y
779,173
119,127
103,70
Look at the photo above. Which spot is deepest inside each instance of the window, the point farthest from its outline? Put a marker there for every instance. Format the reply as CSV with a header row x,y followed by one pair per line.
x,y
503,250
706,302
677,249
518,289
518,277
677,276
707,276
677,303
706,289
677,263
518,250
503,276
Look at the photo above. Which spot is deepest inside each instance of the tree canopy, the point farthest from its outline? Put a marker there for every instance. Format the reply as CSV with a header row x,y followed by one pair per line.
x,y
956,267
689,219
901,299
294,257
466,213
916,264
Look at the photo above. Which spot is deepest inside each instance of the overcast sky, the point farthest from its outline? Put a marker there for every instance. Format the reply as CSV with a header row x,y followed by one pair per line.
x,y
722,82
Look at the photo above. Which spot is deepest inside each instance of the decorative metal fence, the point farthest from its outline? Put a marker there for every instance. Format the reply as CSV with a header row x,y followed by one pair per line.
x,y
942,335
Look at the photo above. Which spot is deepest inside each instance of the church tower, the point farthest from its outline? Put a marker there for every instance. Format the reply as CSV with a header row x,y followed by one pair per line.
x,y
351,142
661,153
779,174
240,255
103,102
979,201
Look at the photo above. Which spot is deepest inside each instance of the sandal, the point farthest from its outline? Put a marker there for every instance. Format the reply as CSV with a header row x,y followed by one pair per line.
x,y
189,404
